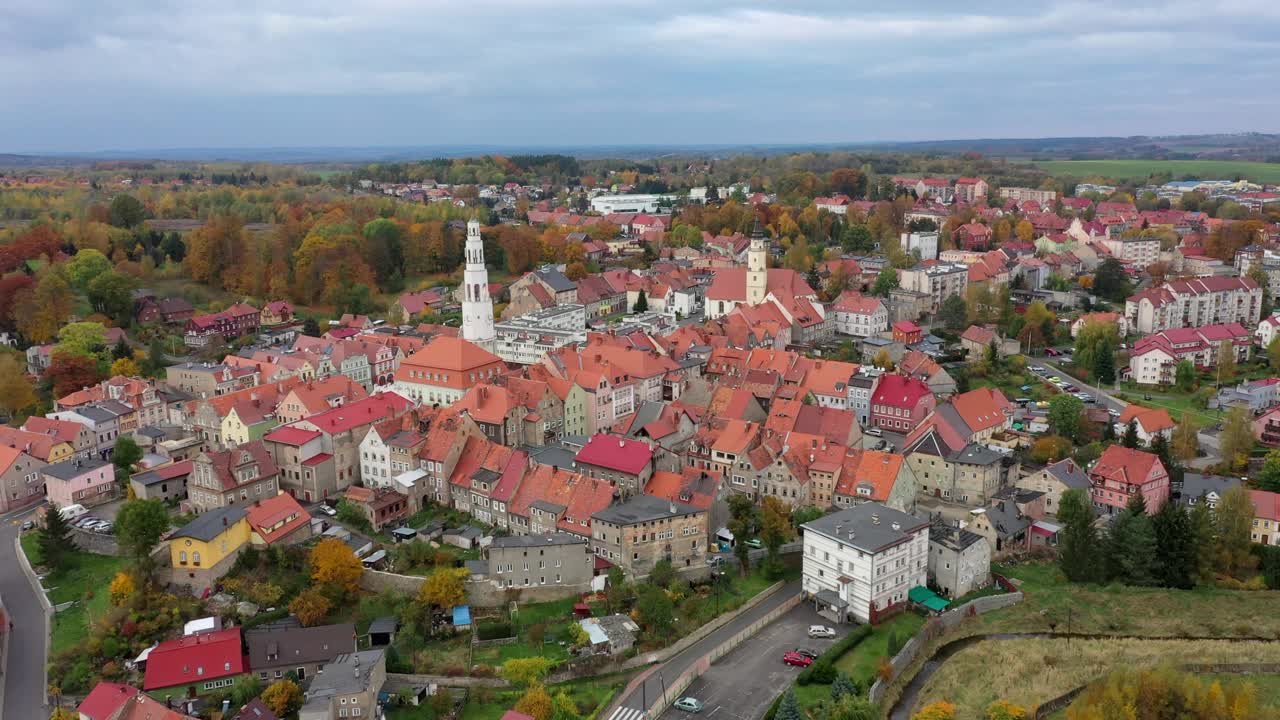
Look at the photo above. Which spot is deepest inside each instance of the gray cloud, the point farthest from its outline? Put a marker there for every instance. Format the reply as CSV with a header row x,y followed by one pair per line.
x,y
149,73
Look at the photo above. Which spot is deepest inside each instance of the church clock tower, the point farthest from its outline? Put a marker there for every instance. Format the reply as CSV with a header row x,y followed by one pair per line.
x,y
477,307
757,268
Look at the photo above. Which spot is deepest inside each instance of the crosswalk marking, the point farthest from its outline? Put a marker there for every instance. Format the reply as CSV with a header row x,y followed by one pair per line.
x,y
626,713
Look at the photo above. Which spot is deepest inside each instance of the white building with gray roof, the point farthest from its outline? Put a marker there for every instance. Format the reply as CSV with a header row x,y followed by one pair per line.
x,y
860,563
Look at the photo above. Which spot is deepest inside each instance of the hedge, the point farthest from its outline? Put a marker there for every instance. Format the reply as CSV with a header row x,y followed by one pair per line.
x,y
494,631
823,670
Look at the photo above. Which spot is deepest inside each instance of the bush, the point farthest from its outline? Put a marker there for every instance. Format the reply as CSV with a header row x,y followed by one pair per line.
x,y
823,670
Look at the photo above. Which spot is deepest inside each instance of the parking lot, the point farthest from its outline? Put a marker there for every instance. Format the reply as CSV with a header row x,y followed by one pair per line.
x,y
740,685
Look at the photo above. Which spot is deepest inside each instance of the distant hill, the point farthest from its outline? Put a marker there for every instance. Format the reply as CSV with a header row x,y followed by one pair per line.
x,y
1256,147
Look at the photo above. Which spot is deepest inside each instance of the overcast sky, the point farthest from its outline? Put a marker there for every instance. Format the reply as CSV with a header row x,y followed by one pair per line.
x,y
79,75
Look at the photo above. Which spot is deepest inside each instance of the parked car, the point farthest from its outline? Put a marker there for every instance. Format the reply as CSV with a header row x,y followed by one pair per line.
x,y
821,631
1113,413
328,510
689,704
1055,379
107,526
812,655
873,431
1051,352
754,543
28,525
795,658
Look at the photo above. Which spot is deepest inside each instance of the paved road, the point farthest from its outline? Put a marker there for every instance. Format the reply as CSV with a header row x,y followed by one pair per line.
x,y
24,695
740,685
632,705
1105,399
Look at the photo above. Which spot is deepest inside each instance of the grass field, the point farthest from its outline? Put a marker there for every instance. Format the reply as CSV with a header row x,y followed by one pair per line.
x,y
1031,671
1128,610
1120,170
589,695
862,661
86,574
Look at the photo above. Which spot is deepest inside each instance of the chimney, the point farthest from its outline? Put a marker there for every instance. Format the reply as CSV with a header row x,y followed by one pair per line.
x,y
875,518
896,526
673,507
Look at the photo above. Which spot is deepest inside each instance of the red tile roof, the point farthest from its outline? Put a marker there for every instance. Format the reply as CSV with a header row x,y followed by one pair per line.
x,y
898,391
1266,505
291,435
105,699
614,453
362,412
194,658
1151,420
1126,465
277,517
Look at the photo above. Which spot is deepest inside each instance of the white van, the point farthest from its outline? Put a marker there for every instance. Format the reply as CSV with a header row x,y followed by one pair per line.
x,y
71,512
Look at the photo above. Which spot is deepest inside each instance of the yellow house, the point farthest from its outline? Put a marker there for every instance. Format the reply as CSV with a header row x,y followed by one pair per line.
x,y
247,421
205,549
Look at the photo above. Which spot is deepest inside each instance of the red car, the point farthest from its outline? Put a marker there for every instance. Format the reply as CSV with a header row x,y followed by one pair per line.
x,y
795,658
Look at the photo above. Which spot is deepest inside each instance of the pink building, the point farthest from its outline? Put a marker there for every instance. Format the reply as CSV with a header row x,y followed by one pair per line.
x,y
1121,473
900,403
83,481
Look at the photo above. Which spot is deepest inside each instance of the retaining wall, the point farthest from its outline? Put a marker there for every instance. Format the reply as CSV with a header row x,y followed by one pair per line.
x,y
936,626
97,543
446,681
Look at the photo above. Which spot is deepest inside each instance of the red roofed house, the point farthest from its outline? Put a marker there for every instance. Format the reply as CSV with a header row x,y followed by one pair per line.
x,y
900,403
197,664
1266,517
1154,359
279,520
380,505
441,372
277,312
973,236
411,305
859,315
339,434
1121,472
873,476
970,189
104,700
1195,302
1149,422
238,476
628,464
907,332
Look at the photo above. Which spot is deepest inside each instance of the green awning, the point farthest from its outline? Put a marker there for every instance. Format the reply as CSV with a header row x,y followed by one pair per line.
x,y
922,595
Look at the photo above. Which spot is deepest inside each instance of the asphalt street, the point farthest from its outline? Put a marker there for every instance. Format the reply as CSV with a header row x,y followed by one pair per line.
x,y
742,684
633,704
24,691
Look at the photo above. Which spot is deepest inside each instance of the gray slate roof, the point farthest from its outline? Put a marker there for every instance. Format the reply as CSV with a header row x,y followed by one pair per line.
x,y
644,508
347,674
68,469
211,524
868,527
1197,485
319,644
556,280
953,538
1069,473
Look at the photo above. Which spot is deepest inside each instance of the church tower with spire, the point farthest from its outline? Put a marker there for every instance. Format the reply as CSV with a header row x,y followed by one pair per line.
x,y
757,267
477,306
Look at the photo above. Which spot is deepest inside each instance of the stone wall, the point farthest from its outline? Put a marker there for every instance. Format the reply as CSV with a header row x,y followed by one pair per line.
x,y
97,543
445,680
942,623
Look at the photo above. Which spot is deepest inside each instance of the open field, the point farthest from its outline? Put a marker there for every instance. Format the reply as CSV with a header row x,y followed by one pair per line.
x,y
86,574
1028,672
1126,610
1121,170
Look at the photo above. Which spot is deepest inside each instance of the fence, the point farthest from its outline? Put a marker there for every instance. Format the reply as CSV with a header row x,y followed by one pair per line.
x,y
935,627
446,681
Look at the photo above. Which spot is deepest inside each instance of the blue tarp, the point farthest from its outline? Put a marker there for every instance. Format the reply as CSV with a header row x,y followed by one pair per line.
x,y
462,615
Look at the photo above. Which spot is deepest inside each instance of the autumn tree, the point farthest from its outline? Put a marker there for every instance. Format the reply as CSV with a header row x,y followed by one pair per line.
x,y
1185,443
40,311
775,529
1095,340
85,266
121,589
1038,327
335,567
940,710
1236,439
1226,365
444,588
10,286
310,607
16,392
535,703
1025,231
69,373
1005,710
525,672
283,697
1233,522
127,367
139,526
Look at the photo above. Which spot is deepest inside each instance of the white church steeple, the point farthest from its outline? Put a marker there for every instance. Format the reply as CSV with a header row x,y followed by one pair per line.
x,y
477,307
757,268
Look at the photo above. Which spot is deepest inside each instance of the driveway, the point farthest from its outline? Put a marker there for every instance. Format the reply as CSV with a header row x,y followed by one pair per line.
x,y
24,687
632,705
740,685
